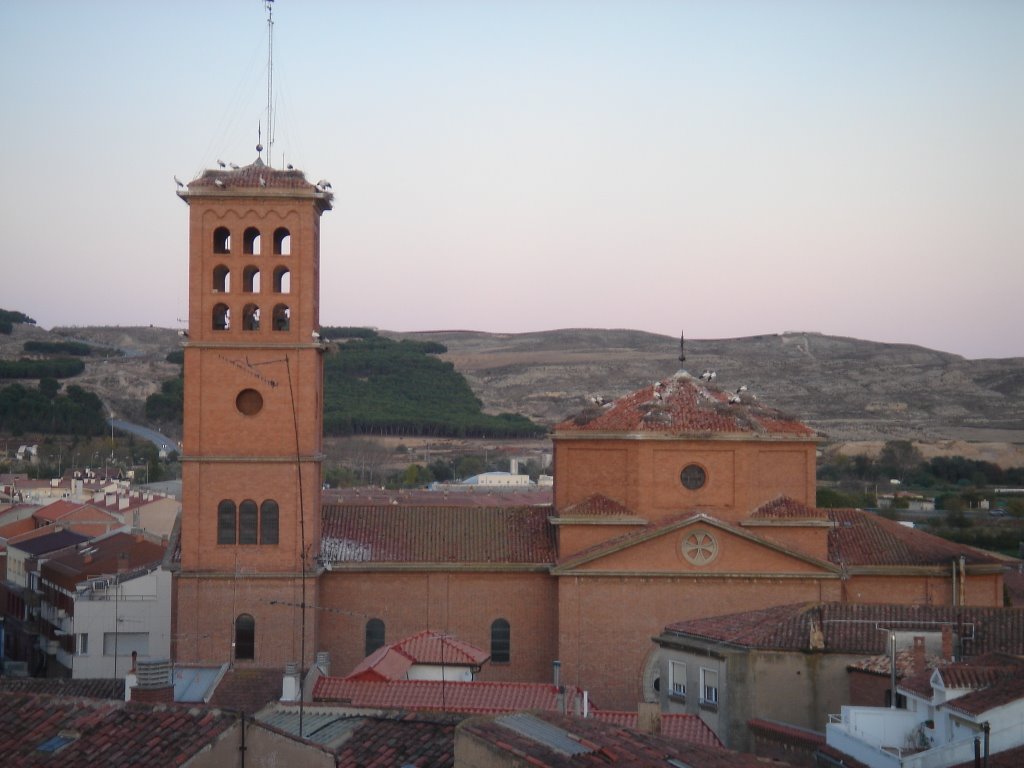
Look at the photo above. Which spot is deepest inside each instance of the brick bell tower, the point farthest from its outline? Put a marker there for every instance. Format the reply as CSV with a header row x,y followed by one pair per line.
x,y
252,451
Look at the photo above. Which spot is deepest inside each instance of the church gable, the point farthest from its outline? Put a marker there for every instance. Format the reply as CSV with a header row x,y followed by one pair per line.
x,y
693,545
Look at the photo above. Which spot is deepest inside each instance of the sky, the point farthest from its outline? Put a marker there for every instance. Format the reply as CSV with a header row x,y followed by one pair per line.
x,y
725,167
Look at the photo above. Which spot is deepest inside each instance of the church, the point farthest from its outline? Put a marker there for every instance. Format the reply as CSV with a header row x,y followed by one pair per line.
x,y
676,502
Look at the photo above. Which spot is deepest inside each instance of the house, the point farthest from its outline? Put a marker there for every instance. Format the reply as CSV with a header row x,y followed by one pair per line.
x,y
426,655
953,713
731,669
104,600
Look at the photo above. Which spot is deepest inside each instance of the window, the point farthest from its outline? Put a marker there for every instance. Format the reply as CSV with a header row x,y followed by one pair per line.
x,y
251,241
226,522
221,279
374,636
282,317
282,242
693,477
247,522
282,280
501,641
221,240
709,687
250,318
82,644
249,402
677,678
221,317
125,643
251,279
268,522
245,637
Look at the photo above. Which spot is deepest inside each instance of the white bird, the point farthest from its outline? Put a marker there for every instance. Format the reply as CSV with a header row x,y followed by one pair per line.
x,y
734,399
316,336
179,182
324,183
221,163
219,183
263,182
743,388
234,166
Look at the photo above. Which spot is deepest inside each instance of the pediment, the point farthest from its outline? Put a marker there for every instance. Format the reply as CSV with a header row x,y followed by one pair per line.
x,y
696,545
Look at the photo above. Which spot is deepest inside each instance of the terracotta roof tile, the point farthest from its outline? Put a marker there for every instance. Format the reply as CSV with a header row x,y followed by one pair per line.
x,y
437,696
426,742
595,743
248,690
394,534
790,733
785,508
59,686
685,405
853,628
597,505
392,661
864,539
675,726
37,729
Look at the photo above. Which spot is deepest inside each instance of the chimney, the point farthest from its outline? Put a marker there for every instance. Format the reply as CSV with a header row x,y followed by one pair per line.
x,y
947,642
648,717
323,663
291,687
919,662
154,676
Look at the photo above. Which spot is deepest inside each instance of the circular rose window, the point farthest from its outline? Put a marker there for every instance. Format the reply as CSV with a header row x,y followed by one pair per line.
x,y
693,477
699,547
249,402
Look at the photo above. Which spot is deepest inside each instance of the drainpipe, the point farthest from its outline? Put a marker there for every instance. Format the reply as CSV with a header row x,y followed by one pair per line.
x,y
963,580
986,729
892,664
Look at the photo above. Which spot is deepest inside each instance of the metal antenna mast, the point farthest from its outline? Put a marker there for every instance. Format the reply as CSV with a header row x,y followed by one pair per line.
x,y
269,5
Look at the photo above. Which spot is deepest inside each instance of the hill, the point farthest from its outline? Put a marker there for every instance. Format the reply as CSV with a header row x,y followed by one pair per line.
x,y
850,389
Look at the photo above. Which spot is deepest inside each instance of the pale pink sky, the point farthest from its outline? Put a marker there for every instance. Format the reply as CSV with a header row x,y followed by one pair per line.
x,y
734,168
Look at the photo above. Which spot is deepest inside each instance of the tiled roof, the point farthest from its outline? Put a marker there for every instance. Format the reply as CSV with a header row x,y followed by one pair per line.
x,y
543,738
864,539
445,496
414,740
61,686
438,696
257,175
51,730
394,534
853,628
108,555
392,661
1008,758
785,508
675,726
56,509
46,542
685,405
248,690
597,505
992,687
905,663
786,731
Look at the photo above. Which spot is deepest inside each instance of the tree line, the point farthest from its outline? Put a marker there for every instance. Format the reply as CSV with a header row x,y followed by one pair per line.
x,y
9,318
42,410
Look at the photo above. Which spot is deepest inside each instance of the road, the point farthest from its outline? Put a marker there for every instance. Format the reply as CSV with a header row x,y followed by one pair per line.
x,y
162,442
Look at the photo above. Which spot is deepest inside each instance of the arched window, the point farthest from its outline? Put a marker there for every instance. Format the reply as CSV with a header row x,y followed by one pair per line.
x,y
282,317
221,317
245,637
247,522
221,240
282,280
251,280
250,318
251,240
221,279
282,242
501,641
226,522
374,635
268,522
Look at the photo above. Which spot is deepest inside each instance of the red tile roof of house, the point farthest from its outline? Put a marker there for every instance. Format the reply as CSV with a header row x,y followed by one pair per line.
x,y
36,729
785,732
118,552
446,496
1008,758
412,740
853,628
675,726
906,666
392,661
865,539
56,510
101,688
17,528
785,508
993,687
683,405
597,505
437,696
394,534
531,737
